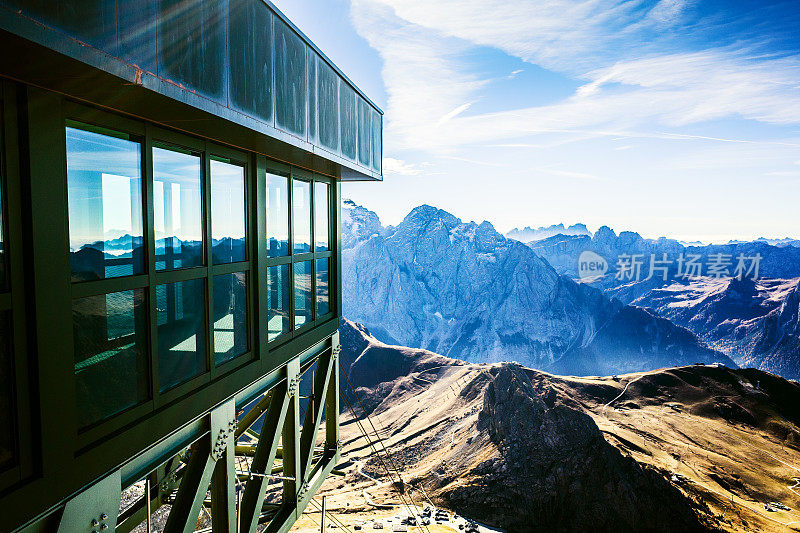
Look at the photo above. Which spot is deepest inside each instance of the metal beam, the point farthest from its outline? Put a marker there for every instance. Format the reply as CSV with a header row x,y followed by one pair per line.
x,y
313,418
94,509
202,464
291,452
332,400
264,457
223,493
254,413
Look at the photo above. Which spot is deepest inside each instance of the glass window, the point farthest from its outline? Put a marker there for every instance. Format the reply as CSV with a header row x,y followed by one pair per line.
x,y
105,205
7,407
278,304
178,211
321,231
230,316
301,216
181,332
322,275
302,293
227,212
111,365
277,215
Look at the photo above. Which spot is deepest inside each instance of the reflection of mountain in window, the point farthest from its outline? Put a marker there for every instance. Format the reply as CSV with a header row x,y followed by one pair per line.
x,y
177,205
302,293
227,212
105,205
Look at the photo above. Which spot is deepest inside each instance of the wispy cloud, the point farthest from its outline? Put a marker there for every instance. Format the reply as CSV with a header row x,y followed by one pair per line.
x,y
423,45
400,167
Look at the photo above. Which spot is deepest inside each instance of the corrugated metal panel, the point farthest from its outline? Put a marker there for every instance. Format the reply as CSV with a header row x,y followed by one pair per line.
x,y
328,106
191,44
137,33
311,62
291,89
364,133
250,57
91,21
348,121
377,141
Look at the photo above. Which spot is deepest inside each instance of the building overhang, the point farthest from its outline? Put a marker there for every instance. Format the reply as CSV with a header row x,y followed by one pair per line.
x,y
42,56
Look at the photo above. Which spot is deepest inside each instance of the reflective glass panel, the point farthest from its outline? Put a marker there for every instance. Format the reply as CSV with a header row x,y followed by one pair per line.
x,y
178,209
302,293
321,232
230,316
322,275
278,303
105,205
277,215
111,364
301,216
181,332
7,405
227,212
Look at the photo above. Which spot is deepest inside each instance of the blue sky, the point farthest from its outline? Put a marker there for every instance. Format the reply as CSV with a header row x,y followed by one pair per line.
x,y
671,118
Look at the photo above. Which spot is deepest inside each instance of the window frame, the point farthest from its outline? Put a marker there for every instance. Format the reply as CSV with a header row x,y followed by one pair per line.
x,y
294,173
151,135
23,422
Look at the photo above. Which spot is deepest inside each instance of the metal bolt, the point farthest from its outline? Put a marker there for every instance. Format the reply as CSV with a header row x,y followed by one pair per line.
x,y
103,516
95,522
103,527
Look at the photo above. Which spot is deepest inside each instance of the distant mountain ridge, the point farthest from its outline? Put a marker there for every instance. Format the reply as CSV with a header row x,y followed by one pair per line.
x,y
563,253
466,291
528,234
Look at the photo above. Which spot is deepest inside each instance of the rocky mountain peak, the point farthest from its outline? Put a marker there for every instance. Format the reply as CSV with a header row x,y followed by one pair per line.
x,y
426,214
604,235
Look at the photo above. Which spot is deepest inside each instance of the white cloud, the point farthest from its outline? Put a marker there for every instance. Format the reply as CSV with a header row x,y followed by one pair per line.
x,y
400,167
423,45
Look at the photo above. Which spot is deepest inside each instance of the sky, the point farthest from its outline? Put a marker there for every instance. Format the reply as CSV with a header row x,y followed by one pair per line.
x,y
672,118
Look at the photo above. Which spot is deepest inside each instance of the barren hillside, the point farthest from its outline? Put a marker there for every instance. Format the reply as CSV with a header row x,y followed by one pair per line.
x,y
680,449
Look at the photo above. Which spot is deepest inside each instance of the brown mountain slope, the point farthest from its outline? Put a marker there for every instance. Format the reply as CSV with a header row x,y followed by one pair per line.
x,y
682,449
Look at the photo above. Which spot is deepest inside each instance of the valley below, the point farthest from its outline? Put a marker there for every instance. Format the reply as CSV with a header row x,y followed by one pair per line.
x,y
692,448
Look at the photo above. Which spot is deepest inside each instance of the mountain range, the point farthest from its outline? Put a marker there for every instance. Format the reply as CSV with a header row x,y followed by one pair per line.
x,y
528,234
563,252
465,291
755,322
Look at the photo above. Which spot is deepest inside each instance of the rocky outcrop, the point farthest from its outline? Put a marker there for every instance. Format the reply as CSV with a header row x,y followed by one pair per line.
x,y
556,472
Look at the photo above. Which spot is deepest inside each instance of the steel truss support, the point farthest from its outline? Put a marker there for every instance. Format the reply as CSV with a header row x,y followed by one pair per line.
x,y
302,465
217,447
267,448
302,476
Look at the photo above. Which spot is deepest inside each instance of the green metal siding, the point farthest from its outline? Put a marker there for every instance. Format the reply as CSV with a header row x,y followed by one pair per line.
x,y
291,90
250,57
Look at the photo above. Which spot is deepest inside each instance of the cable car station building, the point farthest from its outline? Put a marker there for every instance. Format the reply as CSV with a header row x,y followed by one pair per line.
x,y
170,270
